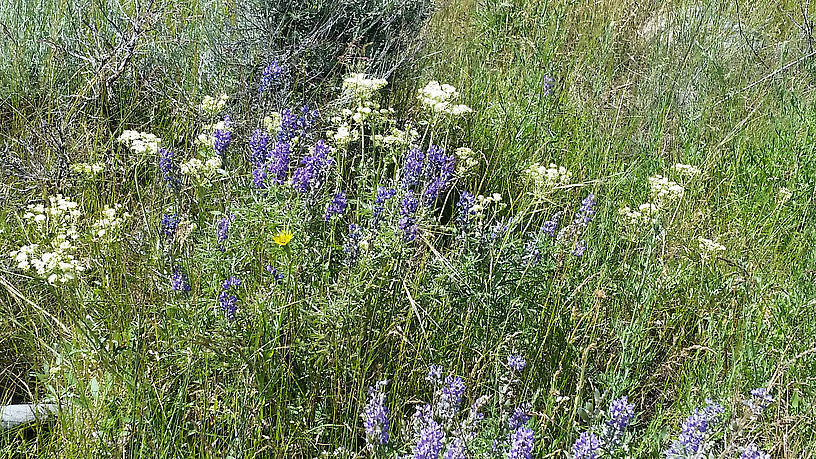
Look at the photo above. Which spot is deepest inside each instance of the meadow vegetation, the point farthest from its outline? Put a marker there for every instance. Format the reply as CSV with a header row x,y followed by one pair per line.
x,y
378,228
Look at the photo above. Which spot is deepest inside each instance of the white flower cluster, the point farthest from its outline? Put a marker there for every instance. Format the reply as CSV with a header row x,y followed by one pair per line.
x,y
645,215
206,138
57,225
212,105
687,170
110,221
87,170
543,179
664,191
709,247
361,86
440,98
60,211
466,161
483,203
140,142
783,195
398,137
201,171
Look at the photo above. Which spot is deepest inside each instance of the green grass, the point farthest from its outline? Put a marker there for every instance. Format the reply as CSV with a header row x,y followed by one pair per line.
x,y
150,375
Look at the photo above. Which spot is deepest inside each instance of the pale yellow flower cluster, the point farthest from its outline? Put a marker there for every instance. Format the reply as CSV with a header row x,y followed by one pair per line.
x,y
56,223
213,105
362,86
441,98
709,248
466,161
687,170
87,170
665,191
140,142
111,221
544,179
202,170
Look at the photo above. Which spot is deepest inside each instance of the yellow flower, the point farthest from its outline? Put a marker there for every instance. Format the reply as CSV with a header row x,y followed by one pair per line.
x,y
283,238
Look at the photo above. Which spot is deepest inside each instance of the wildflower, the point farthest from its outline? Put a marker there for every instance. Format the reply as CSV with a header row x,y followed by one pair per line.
x,y
450,399
532,255
407,222
271,76
579,249
783,195
547,85
439,170
586,211
168,169
664,191
179,281
283,238
519,418
276,275
111,220
521,444
760,399
383,195
440,98
543,179
227,302
620,413
752,452
550,226
375,416
222,138
89,171
587,446
455,450
695,430
464,210
429,434
353,245
709,247
169,224
312,173
466,161
686,170
361,86
222,230
337,206
140,142
212,105
516,362
412,168
434,374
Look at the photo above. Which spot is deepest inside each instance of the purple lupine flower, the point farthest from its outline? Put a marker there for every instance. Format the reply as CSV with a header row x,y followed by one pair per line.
x,y
580,249
169,170
222,230
439,169
307,119
429,434
375,416
519,417
464,210
352,245
228,304
500,228
455,450
288,128
586,211
382,196
169,224
410,204
532,254
337,206
516,362
434,374
231,281
587,446
695,430
450,399
276,165
621,413
407,222
547,85
752,452
550,226
312,173
412,168
258,144
521,443
271,76
179,281
277,276
222,138
760,399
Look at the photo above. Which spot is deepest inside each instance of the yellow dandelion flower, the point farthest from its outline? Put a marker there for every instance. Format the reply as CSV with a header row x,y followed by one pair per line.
x,y
283,237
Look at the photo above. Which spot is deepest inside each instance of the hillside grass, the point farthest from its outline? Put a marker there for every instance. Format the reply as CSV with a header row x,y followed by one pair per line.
x,y
153,376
